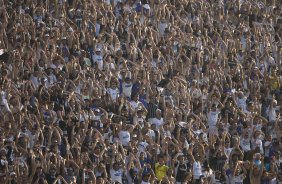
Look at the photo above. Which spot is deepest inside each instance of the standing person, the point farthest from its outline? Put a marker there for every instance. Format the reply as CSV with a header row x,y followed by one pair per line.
x,y
116,172
239,173
196,165
209,173
98,58
212,115
161,168
158,121
182,168
256,171
152,108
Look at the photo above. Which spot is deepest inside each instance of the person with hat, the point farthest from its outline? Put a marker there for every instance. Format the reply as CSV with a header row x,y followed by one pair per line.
x,y
97,58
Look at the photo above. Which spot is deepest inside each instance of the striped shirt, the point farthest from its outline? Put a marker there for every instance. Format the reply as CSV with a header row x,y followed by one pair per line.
x,y
152,108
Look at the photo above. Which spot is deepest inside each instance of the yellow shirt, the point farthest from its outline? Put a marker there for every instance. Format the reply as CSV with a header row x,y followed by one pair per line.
x,y
274,82
160,171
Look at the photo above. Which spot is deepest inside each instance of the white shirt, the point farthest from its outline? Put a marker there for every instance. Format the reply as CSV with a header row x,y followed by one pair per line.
x,y
242,103
98,27
158,122
258,126
108,2
227,151
116,176
266,150
32,139
196,93
271,114
144,182
243,43
142,146
78,88
114,93
197,170
245,144
99,60
210,174
162,27
257,143
35,81
134,105
124,137
140,121
126,89
237,179
213,117
151,134
51,80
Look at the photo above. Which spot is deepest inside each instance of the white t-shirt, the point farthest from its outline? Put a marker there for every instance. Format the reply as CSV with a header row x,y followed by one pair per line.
x,y
196,93
108,2
140,121
245,144
243,43
213,117
242,104
52,79
124,137
271,114
197,170
142,146
227,151
98,27
99,60
116,176
134,105
210,174
162,27
158,122
200,131
126,89
237,179
114,93
35,81
144,182
266,150
257,143
151,134
258,126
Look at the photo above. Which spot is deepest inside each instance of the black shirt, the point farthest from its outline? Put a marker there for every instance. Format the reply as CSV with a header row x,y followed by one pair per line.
x,y
152,108
50,179
182,171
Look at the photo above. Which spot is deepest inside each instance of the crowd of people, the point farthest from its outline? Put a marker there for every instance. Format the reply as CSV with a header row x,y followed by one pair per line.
x,y
140,91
